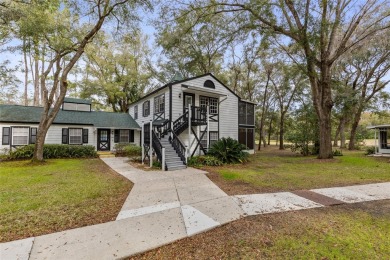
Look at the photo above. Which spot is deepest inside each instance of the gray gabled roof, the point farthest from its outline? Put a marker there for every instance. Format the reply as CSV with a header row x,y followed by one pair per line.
x,y
29,114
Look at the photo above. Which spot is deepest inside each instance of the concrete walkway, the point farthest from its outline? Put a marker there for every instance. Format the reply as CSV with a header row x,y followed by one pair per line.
x,y
164,207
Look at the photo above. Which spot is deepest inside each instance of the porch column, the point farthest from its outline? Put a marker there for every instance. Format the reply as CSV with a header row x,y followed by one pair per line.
x,y
150,144
189,129
376,148
208,135
142,143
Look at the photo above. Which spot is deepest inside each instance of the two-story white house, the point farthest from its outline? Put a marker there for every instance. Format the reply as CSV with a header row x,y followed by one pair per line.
x,y
188,116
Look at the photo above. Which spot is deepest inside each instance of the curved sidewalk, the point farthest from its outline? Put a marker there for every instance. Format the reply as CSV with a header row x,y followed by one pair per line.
x,y
163,207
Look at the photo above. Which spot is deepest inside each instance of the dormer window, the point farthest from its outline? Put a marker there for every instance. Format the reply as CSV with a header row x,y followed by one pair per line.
x,y
208,84
76,104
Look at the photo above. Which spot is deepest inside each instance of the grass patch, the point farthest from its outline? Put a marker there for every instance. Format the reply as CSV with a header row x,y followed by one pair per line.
x,y
354,231
272,170
40,198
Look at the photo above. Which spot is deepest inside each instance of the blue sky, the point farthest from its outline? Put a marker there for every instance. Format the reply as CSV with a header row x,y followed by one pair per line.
x,y
146,26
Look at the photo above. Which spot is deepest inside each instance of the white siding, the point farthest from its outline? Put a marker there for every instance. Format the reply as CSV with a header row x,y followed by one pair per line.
x,y
140,120
54,135
228,106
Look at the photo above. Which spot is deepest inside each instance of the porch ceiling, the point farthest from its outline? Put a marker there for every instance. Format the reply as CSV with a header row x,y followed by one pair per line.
x,y
211,92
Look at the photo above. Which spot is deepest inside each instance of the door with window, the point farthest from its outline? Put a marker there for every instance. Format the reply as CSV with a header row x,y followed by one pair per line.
x,y
103,140
189,100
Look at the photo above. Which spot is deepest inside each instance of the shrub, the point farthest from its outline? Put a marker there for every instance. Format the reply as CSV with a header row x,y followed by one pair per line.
x,y
305,149
119,149
204,160
132,150
337,153
156,164
228,150
52,151
370,150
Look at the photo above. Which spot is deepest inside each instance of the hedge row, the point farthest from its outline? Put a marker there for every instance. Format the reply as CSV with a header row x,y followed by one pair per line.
x,y
52,151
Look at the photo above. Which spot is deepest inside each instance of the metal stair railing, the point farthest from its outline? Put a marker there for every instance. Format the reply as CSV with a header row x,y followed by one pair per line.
x,y
157,146
178,146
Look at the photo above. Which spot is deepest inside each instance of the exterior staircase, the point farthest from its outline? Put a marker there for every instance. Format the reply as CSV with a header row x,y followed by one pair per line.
x,y
172,160
166,137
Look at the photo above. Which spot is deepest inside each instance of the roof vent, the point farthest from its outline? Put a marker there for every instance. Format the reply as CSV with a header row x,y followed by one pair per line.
x,y
208,84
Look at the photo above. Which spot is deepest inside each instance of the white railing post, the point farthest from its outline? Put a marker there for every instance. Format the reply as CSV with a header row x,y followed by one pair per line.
x,y
142,143
163,159
189,129
208,130
150,144
186,155
171,130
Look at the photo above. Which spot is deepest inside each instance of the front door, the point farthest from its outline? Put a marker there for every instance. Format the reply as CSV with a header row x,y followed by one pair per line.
x,y
103,140
189,99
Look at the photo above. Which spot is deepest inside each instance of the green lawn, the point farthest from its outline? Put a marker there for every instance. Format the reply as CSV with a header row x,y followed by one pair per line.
x,y
274,170
59,194
349,231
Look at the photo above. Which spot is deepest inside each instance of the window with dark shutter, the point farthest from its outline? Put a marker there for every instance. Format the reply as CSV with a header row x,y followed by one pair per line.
x,y
136,112
116,136
146,108
6,135
65,135
131,136
33,135
85,136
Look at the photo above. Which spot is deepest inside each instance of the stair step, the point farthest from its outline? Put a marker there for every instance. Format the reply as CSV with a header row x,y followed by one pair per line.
x,y
177,168
176,164
173,161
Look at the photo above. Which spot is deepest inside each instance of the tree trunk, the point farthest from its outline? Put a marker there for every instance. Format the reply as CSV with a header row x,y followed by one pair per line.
x,y
342,134
269,131
36,81
322,101
38,155
25,73
281,131
325,135
354,126
336,135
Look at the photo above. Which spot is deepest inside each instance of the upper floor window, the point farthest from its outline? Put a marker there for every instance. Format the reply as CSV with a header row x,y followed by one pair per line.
x,y
246,114
76,107
159,104
146,108
136,112
208,84
211,102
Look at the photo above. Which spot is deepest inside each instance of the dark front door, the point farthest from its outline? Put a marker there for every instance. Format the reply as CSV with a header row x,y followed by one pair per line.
x,y
103,140
188,99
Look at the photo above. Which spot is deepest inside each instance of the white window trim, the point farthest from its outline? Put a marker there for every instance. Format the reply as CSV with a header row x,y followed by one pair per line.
x,y
81,135
27,135
158,108
136,112
206,102
127,135
146,107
